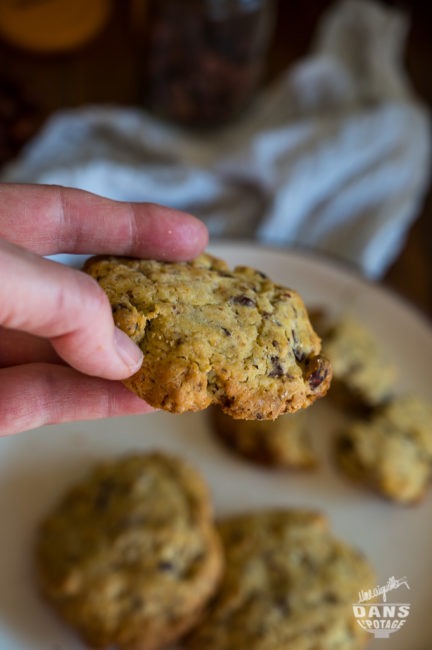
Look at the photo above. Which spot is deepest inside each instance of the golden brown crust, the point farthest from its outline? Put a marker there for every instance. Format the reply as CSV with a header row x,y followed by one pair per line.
x,y
214,336
130,556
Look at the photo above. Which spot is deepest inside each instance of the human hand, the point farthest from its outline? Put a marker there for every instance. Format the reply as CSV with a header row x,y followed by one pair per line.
x,y
60,352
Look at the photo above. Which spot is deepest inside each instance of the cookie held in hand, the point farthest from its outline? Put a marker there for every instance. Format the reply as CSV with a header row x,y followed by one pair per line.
x,y
211,335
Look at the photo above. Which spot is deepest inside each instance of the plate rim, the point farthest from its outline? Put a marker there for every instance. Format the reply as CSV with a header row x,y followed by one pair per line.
x,y
337,264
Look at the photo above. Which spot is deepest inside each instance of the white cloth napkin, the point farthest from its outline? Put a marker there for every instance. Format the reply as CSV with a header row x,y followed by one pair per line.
x,y
335,155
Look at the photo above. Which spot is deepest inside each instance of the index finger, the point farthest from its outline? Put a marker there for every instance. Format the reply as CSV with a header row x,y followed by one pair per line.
x,y
48,219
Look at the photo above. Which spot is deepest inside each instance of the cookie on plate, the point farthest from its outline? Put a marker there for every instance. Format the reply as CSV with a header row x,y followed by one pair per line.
x,y
391,451
283,442
288,583
363,375
130,555
212,335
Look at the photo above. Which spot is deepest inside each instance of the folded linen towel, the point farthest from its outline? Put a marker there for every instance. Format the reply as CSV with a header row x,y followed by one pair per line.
x,y
335,155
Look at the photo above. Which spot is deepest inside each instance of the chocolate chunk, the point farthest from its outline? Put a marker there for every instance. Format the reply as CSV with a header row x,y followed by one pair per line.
x,y
244,301
318,372
277,370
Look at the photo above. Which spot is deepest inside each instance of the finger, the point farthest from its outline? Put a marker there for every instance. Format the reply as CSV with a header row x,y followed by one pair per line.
x,y
17,348
38,394
68,307
50,219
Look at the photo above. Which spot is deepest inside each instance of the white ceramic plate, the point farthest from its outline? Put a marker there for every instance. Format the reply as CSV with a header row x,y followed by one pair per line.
x,y
36,466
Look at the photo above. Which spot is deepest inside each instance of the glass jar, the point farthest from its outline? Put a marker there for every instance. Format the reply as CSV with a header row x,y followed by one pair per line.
x,y
204,59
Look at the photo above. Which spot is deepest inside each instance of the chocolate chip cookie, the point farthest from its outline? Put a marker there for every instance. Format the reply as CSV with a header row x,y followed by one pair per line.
x,y
130,555
288,584
214,335
283,442
363,375
391,451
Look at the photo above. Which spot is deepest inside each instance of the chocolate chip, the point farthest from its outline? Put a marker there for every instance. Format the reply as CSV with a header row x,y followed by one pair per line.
x,y
277,370
318,372
118,306
317,378
298,352
299,355
244,301
226,331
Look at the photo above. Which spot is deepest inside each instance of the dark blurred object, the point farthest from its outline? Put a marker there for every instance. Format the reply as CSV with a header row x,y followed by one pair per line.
x,y
19,120
204,59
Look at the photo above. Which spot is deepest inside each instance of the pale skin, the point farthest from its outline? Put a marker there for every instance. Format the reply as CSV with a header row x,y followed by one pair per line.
x,y
61,356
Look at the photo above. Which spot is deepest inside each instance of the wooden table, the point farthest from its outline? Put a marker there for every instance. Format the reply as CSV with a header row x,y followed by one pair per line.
x,y
107,70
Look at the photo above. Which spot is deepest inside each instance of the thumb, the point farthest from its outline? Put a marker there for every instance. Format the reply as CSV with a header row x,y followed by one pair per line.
x,y
68,307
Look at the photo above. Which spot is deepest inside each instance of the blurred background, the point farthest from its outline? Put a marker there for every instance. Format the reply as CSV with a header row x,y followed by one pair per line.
x,y
58,54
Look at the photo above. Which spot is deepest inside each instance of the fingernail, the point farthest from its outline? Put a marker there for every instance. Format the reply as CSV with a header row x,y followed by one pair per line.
x,y
127,350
